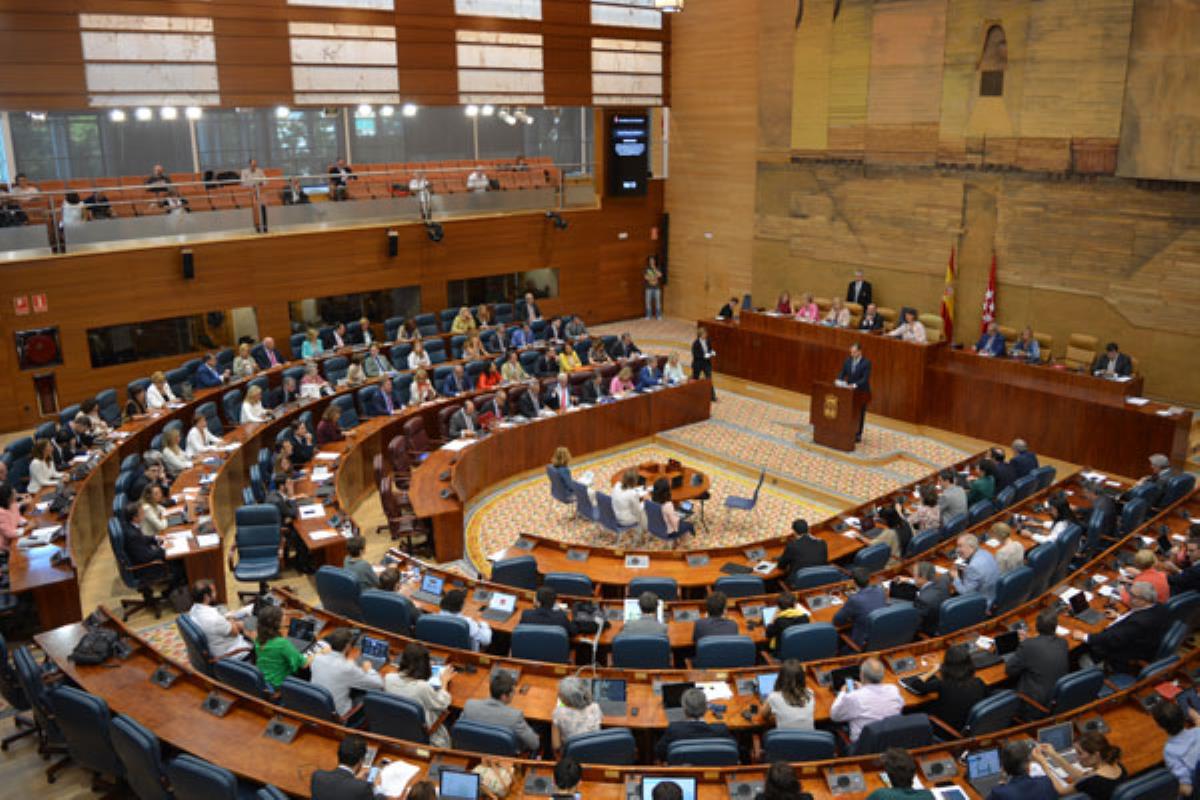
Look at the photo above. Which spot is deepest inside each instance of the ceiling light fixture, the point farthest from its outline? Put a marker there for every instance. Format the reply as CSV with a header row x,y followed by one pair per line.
x,y
487,110
193,113
143,114
282,112
116,115
471,110
386,111
168,113
365,110
409,109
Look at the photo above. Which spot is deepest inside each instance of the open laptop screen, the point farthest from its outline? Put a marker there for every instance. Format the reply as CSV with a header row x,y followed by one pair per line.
x,y
983,764
432,584
688,785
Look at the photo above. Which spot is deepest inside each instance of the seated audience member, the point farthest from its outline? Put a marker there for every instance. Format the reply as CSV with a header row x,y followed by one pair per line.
x,y
224,634
555,331
253,175
335,669
625,348
991,343
382,403
1014,757
244,365
1160,475
648,376
859,605
568,359
1112,363
356,375
463,322
343,783
81,433
803,550
498,710
328,429
12,524
715,623
359,567
546,365
838,315
159,393
408,331
926,517
983,487
311,347
1061,515
389,579
622,383
575,713
575,327
896,533
1130,638
648,623
207,376
729,310
339,173
463,422
421,390
1026,347
547,613
593,389
1005,474
1150,572
597,355
417,357
376,363
693,726
790,703
910,329
531,311
932,590
456,382
143,549
152,474
529,404
627,501
560,464
673,371
676,523
283,495
274,654
871,321
293,194
512,371
312,384
784,304
175,459
1040,660
287,393
91,409
301,440
42,472
485,317
159,180
252,406
900,769
559,396
521,337
200,439
868,702
473,349
452,606
1183,564
808,311
980,572
957,686
953,498
62,449
490,378
413,679
567,775
340,338
1010,555
1098,773
1181,753
1024,460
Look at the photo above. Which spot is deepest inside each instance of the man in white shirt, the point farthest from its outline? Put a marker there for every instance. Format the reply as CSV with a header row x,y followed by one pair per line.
x,y
452,606
859,706
253,176
22,186
337,672
225,634
477,181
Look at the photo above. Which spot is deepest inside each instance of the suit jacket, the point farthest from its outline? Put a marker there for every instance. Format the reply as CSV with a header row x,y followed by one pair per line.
x,y
551,398
622,350
644,626
1037,663
206,377
874,323
494,712
371,368
857,374
458,423
529,404
378,405
862,296
140,548
647,376
708,626
990,345
858,606
339,784
1024,463
1124,365
726,312
492,408
928,601
803,551
689,729
1005,474
263,358
700,360
549,616
1134,638
591,392
452,387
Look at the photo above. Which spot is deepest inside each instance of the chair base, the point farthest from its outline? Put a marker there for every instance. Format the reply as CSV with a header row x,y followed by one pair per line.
x,y
263,588
148,601
57,767
25,727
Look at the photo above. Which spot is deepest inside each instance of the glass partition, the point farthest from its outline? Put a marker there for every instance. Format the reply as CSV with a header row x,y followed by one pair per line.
x,y
502,288
403,301
172,336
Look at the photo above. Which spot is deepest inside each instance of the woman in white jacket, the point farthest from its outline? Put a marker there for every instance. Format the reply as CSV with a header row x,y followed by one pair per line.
x,y
174,458
154,516
252,407
159,393
200,439
41,467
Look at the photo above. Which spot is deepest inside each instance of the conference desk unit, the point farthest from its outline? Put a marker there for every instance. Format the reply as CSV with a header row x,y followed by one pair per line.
x,y
1068,415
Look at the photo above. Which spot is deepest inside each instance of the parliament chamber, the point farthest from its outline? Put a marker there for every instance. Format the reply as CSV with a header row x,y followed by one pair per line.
x,y
638,399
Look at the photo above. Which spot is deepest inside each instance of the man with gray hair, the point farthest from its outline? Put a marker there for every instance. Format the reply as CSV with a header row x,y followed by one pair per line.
x,y
647,624
1155,484
693,726
976,570
1132,636
1024,460
932,590
859,706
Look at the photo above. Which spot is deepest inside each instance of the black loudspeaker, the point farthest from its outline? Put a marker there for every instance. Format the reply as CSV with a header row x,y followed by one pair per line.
x,y
189,265
665,237
393,244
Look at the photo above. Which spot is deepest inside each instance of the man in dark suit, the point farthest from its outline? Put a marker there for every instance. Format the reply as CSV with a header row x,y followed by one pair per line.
x,y
1024,460
932,591
702,357
593,389
1039,661
803,551
1133,636
559,396
494,410
206,375
456,383
856,371
1004,475
859,605
1102,503
530,404
693,726
383,402
529,311
463,421
859,290
546,614
871,321
267,356
715,624
1112,363
624,348
991,343
728,311
343,783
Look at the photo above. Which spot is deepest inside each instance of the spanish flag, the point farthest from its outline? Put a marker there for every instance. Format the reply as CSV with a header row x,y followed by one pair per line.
x,y
948,300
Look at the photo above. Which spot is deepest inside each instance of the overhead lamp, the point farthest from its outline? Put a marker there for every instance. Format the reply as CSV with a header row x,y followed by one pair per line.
x,y
117,115
434,231
487,110
386,111
168,113
471,110
506,116
37,116
281,112
193,113
365,110
409,109
521,114
143,114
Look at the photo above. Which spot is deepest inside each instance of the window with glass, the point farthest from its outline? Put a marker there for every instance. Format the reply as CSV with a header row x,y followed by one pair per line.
x,y
173,336
403,301
504,288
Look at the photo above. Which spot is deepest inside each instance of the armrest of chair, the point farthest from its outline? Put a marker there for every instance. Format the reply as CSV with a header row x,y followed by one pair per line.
x,y
156,563
769,660
846,638
756,750
945,727
1033,703
441,720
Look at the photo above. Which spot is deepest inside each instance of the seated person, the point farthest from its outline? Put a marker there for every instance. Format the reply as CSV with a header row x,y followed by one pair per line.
x,y
716,623
576,713
383,402
868,702
1014,757
175,459
647,377
597,354
555,331
991,343
676,524
784,304
522,336
807,310
512,371
1098,773
1128,639
568,359
452,606
981,571
647,624
224,634
207,375
593,389
464,322
567,775
200,439
804,550
421,390
463,422
359,567
859,605
1026,347
693,726
910,329
871,321
456,382
417,357
344,782
328,429
575,327
490,378
1181,753
673,371
790,703
159,393
1040,660
529,404
311,347
312,384
983,487
274,654
729,310
252,407
789,614
494,411
412,680
622,383
376,363
473,349
1112,363
956,685
498,710
143,549
625,348
838,316
335,669
901,769
559,395
546,613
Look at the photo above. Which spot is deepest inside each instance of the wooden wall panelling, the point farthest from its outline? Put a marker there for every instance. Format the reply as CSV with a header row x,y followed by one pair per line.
x,y
776,32
849,70
810,79
253,61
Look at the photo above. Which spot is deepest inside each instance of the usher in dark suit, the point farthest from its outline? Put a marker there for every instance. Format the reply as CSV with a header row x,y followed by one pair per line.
x,y
857,372
803,551
339,784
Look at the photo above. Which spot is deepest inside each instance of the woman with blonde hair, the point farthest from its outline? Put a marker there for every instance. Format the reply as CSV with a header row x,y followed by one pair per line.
x,y
252,406
839,315
622,382
42,472
473,348
312,347
464,322
1010,555
355,375
673,371
417,357
568,359
422,390
244,365
159,393
512,371
174,457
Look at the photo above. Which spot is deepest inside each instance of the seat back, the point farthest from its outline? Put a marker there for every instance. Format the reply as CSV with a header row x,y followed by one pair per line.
x,y
583,503
1006,497
1100,524
703,753
363,397
992,713
873,557
636,651
231,404
199,656
387,611
574,584
1024,486
1157,784
725,652
141,756
84,722
1133,514
809,642
334,369
740,585
339,592
923,541
257,536
444,630
1177,487
108,407
1157,667
781,744
519,572
436,350
243,676
1042,559
1012,589
608,517
559,489
480,737
980,511
391,327
209,410
892,626
1183,606
961,612
541,643
193,778
667,589
308,699
1076,689
1081,351
395,716
614,746
906,731
1172,640
30,679
812,577
1068,546
954,524
1045,476
269,792
348,415
116,540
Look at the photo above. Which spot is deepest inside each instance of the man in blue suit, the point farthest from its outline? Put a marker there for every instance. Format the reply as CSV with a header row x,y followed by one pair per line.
x,y
648,376
455,383
383,403
1024,460
860,605
521,337
991,343
207,376
856,371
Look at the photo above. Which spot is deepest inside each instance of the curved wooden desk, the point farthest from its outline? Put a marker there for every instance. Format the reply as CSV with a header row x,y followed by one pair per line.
x,y
693,485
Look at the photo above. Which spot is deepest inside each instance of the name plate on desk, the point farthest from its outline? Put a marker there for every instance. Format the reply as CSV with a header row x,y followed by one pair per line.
x,y
523,544
575,554
755,554
697,559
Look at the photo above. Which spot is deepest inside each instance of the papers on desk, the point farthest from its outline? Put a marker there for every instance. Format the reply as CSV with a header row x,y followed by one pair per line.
x,y
458,444
395,778
1061,631
940,570
313,511
1122,379
715,690
1110,592
42,506
1169,412
985,642
208,539
208,478
326,456
320,474
80,459
322,535
1137,401
854,522
1069,592
765,567
39,537
176,544
119,435
1094,476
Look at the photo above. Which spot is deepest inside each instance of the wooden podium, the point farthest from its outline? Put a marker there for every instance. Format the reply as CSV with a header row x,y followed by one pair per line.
x,y
834,414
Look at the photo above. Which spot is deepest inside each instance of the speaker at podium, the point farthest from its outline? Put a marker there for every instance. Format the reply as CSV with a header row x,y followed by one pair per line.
x,y
835,414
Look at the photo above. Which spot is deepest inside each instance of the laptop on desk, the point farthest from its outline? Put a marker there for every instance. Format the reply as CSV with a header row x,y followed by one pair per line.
x,y
765,683
302,632
1007,643
984,771
374,651
500,607
431,589
1062,738
455,785
672,697
610,694
1082,610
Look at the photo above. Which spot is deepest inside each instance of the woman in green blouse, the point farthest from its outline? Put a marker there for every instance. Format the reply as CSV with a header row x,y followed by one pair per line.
x,y
983,487
275,655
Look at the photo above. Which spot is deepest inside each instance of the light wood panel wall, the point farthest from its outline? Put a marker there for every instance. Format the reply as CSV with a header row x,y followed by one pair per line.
x,y
599,278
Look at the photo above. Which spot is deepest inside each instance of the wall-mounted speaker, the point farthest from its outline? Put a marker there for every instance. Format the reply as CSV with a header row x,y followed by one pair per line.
x,y
189,265
393,244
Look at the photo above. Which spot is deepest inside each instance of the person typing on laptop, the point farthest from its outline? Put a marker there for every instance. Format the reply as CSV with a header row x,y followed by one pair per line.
x,y
1020,785
339,673
692,726
1097,774
544,613
791,701
1133,635
452,605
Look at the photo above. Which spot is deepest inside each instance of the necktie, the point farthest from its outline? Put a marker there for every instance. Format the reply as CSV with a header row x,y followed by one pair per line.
x,y
378,364
564,399
271,358
387,401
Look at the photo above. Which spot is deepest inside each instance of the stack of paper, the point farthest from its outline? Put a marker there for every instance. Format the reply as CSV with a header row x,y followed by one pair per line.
x,y
314,511
395,778
320,474
715,690
208,539
321,535
458,444
327,456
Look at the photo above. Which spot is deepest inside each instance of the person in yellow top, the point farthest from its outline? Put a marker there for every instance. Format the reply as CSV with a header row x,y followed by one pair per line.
x,y
464,322
568,359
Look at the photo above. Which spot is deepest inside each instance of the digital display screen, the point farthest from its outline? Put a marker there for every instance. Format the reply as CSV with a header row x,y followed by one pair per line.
x,y
628,153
